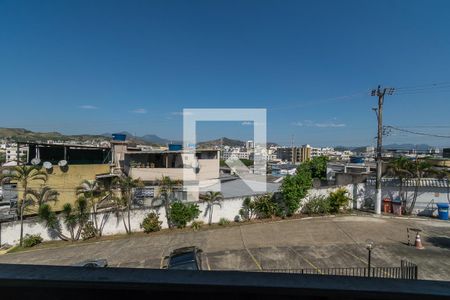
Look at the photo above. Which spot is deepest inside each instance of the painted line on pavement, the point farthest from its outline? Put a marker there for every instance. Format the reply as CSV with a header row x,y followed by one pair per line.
x,y
304,258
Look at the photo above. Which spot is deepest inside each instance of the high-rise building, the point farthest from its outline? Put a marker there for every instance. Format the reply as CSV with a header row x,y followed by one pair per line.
x,y
295,154
446,153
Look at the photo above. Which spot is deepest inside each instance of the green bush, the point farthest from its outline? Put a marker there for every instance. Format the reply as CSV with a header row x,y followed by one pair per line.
x,y
265,206
196,225
88,231
151,223
30,240
183,213
247,212
338,200
317,205
224,222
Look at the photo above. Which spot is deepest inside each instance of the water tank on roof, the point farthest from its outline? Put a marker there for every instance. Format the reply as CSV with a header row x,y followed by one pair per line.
x,y
119,137
356,159
175,147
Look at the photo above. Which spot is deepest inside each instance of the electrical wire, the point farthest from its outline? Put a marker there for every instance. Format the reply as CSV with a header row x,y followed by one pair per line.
x,y
417,133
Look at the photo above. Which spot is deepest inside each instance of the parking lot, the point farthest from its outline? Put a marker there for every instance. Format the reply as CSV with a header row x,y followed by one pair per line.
x,y
322,242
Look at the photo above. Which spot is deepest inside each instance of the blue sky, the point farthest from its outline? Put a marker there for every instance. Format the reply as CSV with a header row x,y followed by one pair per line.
x,y
104,66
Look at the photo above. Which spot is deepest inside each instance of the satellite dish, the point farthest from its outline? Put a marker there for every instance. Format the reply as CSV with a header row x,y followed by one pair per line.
x,y
35,161
48,165
62,163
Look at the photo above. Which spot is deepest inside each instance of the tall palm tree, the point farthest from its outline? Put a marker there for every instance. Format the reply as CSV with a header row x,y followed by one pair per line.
x,y
24,175
211,199
400,167
166,194
93,191
419,168
126,185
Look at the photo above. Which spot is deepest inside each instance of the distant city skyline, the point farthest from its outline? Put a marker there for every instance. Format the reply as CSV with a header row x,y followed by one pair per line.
x,y
82,67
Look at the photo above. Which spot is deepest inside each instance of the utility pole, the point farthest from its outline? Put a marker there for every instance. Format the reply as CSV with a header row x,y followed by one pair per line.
x,y
380,93
292,149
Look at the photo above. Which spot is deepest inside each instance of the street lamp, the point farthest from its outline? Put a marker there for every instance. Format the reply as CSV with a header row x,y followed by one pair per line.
x,y
369,247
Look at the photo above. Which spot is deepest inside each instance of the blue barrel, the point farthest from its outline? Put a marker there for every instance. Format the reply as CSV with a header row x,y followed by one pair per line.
x,y
442,211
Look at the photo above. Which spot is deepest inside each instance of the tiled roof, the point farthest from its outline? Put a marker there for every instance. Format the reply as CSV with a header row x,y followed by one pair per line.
x,y
424,182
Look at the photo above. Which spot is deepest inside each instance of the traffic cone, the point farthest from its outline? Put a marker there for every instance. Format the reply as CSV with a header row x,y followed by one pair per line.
x,y
418,242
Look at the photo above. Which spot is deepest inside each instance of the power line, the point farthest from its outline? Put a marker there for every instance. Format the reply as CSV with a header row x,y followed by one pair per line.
x,y
417,133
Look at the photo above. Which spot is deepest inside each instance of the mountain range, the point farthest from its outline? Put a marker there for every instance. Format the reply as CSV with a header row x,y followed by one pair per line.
x,y
25,135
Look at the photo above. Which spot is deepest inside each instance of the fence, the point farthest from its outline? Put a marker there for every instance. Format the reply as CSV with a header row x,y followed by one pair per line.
x,y
407,270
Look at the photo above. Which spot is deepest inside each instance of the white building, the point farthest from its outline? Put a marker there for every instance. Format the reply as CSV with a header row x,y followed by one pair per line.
x,y
11,152
236,152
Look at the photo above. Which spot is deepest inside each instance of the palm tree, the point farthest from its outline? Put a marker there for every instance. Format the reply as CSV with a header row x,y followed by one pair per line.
x,y
126,185
211,199
166,194
44,195
419,168
76,216
400,167
93,191
24,175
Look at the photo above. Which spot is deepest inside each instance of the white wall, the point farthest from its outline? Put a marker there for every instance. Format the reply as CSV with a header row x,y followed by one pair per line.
x,y
114,225
229,209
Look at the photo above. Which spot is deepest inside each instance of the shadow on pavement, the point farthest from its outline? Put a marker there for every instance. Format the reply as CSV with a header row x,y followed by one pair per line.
x,y
439,241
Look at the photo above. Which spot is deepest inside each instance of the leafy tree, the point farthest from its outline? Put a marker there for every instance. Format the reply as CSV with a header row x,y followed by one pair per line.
x,y
166,194
317,166
400,167
294,188
2,158
24,175
211,199
183,213
94,192
126,185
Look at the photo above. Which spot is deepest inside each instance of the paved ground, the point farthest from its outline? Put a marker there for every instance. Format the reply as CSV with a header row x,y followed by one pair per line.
x,y
291,244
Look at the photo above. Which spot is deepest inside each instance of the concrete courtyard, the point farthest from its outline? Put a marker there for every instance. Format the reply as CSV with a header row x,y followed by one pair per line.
x,y
326,242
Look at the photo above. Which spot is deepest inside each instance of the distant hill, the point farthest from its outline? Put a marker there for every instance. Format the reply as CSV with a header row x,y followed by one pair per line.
x,y
223,141
419,147
24,135
148,139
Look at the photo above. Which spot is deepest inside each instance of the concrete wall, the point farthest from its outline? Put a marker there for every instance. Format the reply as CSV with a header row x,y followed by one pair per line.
x,y
113,224
208,169
66,181
356,192
426,199
229,209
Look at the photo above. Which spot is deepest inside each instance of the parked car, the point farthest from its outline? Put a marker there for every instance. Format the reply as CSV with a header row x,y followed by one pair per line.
x,y
97,263
186,258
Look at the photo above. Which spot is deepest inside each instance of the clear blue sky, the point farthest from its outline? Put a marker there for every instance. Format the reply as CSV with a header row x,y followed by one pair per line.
x,y
104,66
